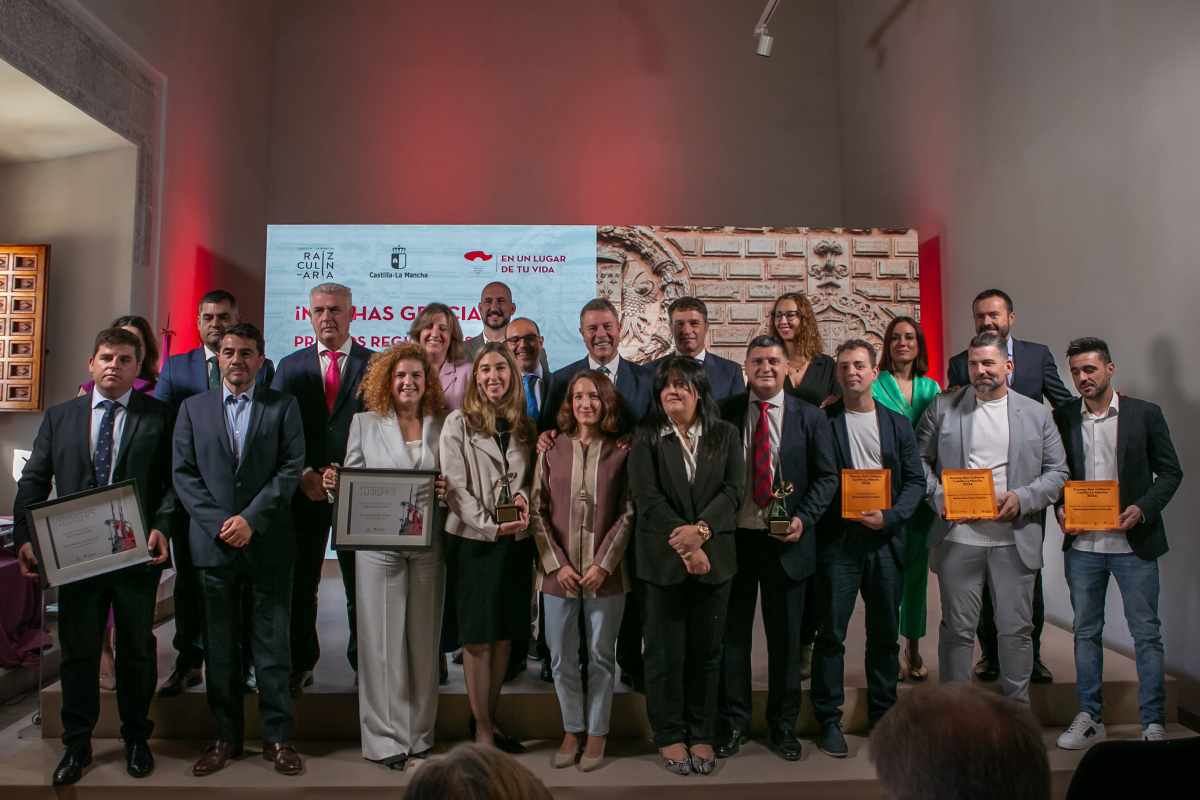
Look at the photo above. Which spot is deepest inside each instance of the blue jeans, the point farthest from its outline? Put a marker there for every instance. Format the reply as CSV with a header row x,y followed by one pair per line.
x,y
1137,580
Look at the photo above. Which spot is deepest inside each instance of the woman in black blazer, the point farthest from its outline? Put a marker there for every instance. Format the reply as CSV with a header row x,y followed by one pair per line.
x,y
686,472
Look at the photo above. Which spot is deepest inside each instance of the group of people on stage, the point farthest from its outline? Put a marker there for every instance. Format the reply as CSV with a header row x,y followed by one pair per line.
x,y
643,522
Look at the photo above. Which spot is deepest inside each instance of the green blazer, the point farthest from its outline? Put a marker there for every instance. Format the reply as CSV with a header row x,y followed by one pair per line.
x,y
887,391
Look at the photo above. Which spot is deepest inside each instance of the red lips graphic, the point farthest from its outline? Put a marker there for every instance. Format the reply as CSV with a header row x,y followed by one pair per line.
x,y
477,255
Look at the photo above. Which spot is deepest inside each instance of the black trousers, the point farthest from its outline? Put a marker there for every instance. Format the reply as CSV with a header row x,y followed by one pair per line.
x,y
311,523
685,624
783,605
842,574
986,631
82,617
630,634
189,602
224,593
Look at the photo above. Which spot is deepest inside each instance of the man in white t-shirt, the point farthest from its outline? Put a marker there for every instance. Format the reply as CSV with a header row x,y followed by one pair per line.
x,y
988,427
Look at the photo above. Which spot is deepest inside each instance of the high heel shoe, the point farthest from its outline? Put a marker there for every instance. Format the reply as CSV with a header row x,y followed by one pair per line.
x,y
588,763
683,767
563,759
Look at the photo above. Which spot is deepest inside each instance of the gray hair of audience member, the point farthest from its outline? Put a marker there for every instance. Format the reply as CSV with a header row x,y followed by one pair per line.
x,y
954,741
332,288
475,772
989,339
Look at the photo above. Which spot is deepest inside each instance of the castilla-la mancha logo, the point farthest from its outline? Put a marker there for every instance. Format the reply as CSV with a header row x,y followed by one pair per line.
x,y
399,258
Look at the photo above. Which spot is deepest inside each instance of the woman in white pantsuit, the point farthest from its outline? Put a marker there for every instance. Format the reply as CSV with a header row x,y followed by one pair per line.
x,y
399,594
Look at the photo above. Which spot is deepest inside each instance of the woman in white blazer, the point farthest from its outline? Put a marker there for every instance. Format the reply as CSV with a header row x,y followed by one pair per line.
x,y
490,563
399,594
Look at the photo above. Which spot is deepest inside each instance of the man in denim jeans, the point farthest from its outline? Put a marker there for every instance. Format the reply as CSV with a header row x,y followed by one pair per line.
x,y
1111,437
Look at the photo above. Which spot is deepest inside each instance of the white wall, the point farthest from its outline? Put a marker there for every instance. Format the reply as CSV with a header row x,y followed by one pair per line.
x,y
1055,147
83,208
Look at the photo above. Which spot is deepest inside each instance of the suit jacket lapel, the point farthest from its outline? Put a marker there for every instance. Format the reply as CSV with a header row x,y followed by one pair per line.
x,y
966,422
1014,443
672,453
841,435
887,455
355,363
218,408
626,380
1122,436
256,412
199,368
83,423
133,416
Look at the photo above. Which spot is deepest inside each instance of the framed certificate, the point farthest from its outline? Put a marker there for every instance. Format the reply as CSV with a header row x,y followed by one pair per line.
x,y
969,494
1092,505
865,490
384,509
89,533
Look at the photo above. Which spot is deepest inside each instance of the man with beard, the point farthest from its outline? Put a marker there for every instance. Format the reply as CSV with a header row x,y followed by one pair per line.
x,y
1123,439
184,375
989,427
324,379
1034,375
496,309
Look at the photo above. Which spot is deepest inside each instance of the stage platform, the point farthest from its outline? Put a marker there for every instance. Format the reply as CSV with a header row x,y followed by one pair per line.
x,y
327,731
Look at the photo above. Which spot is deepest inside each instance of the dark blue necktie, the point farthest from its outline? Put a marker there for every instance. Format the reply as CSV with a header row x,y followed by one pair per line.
x,y
531,405
102,459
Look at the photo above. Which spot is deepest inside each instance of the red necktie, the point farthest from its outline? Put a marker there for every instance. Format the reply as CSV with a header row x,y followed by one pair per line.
x,y
762,456
333,379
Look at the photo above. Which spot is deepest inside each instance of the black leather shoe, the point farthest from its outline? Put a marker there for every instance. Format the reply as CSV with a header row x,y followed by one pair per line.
x,y
634,681
397,762
507,744
1040,673
782,742
831,742
547,673
70,768
730,745
299,681
181,678
987,670
138,761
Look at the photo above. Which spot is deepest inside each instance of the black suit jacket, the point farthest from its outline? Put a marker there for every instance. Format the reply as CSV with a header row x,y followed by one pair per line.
x,y
634,385
899,452
259,488
665,500
1148,468
62,451
1035,374
325,433
806,460
724,376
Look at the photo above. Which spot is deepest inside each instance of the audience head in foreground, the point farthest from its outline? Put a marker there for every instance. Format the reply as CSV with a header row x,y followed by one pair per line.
x,y
475,772
954,741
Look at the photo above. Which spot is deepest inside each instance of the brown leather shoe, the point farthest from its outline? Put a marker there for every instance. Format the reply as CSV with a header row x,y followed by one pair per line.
x,y
287,760
215,757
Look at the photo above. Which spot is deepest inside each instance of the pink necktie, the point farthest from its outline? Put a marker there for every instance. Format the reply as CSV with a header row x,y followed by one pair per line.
x,y
333,379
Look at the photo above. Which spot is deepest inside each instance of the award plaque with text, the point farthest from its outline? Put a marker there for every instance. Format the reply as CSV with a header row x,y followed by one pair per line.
x,y
1092,505
384,509
865,490
89,533
969,494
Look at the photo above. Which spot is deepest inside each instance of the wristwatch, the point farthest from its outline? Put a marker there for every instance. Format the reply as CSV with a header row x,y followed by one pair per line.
x,y
705,531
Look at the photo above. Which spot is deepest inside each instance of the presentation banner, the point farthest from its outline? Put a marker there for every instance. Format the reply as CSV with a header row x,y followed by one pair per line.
x,y
856,279
396,270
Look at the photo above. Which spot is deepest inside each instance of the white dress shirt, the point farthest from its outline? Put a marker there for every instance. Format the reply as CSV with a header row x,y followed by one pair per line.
x,y
118,425
989,450
689,444
611,365
750,516
323,357
1100,464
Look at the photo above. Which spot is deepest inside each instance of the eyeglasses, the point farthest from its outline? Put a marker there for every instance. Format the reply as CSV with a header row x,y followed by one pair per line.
x,y
530,339
790,316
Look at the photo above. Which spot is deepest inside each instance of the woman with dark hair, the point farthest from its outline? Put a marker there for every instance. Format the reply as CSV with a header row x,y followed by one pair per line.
x,y
399,593
581,520
437,331
903,387
811,374
489,563
686,472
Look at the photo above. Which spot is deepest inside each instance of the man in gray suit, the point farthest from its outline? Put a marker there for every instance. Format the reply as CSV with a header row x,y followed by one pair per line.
x,y
986,426
238,452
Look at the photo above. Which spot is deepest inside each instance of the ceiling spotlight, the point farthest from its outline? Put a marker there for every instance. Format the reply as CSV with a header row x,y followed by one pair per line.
x,y
765,40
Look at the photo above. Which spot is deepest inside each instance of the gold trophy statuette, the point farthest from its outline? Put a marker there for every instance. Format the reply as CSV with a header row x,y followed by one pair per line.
x,y
506,509
778,518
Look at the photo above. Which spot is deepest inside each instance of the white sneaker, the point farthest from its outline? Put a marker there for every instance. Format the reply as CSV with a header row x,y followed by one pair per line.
x,y
1154,733
1084,732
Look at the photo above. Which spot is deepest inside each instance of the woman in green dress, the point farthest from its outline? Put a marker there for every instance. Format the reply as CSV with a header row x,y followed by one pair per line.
x,y
903,387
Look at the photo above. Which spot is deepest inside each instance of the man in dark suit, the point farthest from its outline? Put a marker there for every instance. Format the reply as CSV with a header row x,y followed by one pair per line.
x,y
785,439
689,329
1110,437
184,375
324,379
863,555
238,451
496,309
129,438
1034,375
601,331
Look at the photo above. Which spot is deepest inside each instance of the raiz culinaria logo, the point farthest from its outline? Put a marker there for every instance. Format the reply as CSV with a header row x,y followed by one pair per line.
x,y
316,264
